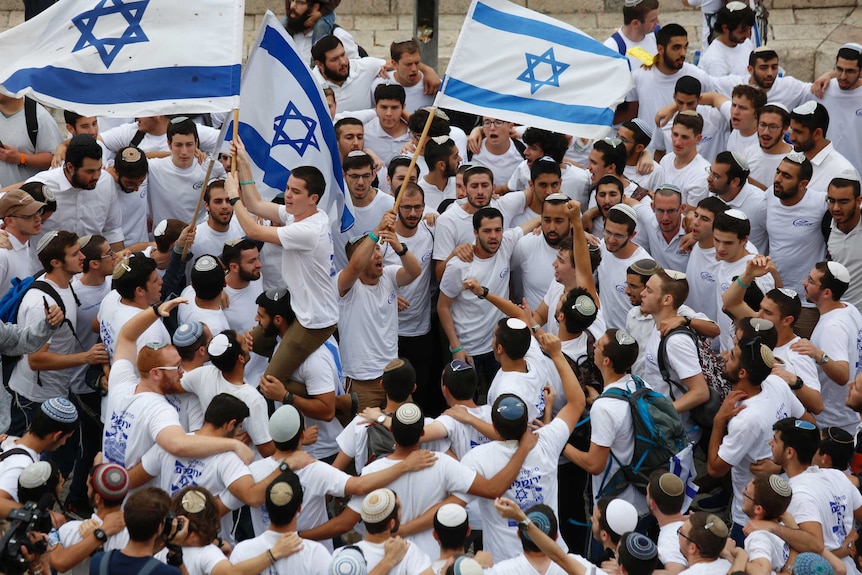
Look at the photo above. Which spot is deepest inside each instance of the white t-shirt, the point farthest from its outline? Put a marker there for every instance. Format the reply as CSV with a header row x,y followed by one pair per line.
x,y
135,419
668,544
368,326
15,134
520,565
384,145
242,309
649,181
691,178
611,426
207,381
838,333
40,386
13,465
202,560
534,258
843,107
321,373
527,386
210,241
84,212
845,249
173,473
723,60
433,195
761,164
700,273
795,241
113,315
415,320
134,208
355,92
14,263
91,298
648,44
365,220
654,89
313,559
827,497
650,237
536,483
474,319
421,490
214,319
307,269
718,567
414,561
765,545
752,202
502,165
462,436
121,136
827,164
749,432
612,285
174,192
455,226
69,535
725,272
738,143
785,90
801,365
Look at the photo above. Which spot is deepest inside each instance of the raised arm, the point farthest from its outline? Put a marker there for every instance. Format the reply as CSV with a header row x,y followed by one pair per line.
x,y
127,339
583,269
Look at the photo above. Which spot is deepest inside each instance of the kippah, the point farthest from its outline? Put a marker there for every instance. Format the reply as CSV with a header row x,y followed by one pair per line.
x,y
356,153
378,505
46,239
408,414
467,566
35,475
557,197
778,105
791,293
839,272
852,46
734,6
284,424
206,264
440,140
621,516
624,338
643,126
688,113
627,210
451,515
60,410
740,160
188,333
780,486
515,323
736,214
131,155
806,109
348,561
511,408
675,275
111,481
280,493
160,228
84,240
767,356
585,306
645,267
670,187
795,157
848,174
193,501
540,520
812,564
631,3
218,345
759,324
763,48
640,546
671,485
715,526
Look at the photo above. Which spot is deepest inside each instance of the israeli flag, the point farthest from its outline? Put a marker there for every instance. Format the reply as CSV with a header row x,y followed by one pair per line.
x,y
284,120
127,57
518,65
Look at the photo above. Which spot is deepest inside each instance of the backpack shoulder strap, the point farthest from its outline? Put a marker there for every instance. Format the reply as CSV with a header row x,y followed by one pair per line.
x,y
30,118
621,44
137,138
15,451
105,565
150,566
662,359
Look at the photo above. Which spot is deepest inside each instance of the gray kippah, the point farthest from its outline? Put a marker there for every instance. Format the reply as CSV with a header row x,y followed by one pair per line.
x,y
643,125
188,333
35,475
60,410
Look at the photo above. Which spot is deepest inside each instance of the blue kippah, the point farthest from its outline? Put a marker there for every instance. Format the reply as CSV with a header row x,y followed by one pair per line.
x,y
60,410
348,561
511,408
812,564
188,333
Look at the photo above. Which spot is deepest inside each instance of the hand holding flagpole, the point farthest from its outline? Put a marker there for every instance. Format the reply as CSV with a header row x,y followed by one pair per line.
x,y
432,112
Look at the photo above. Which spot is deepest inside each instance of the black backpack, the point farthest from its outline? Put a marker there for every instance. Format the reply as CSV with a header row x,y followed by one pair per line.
x,y
381,442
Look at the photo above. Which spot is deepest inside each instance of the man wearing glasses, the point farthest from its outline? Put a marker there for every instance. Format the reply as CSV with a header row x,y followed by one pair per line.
x,y
773,119
498,151
20,213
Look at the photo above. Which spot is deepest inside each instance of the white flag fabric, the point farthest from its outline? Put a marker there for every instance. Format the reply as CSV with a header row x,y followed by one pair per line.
x,y
284,120
128,57
518,65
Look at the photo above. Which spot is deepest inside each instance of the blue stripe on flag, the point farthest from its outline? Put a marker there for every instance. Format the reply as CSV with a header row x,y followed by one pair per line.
x,y
572,113
155,84
514,24
274,44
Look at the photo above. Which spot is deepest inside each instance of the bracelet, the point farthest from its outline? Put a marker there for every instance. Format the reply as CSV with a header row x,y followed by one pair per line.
x,y
456,350
246,183
742,285
271,556
373,237
23,160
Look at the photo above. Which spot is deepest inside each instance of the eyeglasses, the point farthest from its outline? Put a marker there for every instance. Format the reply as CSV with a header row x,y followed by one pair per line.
x,y
848,71
618,237
177,368
710,175
769,127
840,202
355,177
110,254
418,208
681,534
495,123
30,217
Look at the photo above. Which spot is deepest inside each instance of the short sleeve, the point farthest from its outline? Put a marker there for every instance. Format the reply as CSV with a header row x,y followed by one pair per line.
x,y
451,283
682,356
152,460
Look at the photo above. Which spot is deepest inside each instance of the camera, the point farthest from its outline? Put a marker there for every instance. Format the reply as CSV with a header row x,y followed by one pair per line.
x,y
31,518
168,524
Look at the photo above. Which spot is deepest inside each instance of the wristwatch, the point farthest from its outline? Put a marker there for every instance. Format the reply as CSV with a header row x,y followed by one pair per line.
x,y
233,201
403,251
525,523
283,466
101,535
824,360
798,385
381,419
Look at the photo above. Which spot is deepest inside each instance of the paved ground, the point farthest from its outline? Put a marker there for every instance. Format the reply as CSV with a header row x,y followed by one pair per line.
x,y
806,33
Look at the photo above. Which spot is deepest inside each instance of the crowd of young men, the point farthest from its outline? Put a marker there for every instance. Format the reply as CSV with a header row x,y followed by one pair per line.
x,y
283,365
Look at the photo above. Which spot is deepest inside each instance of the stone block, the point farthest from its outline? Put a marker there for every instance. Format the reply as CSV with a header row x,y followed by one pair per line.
x,y
10,5
447,38
582,20
15,17
608,20
781,17
345,21
821,16
855,18
364,38
556,7
801,32
812,3
449,21
685,18
845,33
375,22
798,63
824,58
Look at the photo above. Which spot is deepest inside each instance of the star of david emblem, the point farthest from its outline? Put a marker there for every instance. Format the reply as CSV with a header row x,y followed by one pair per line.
x,y
109,47
533,61
300,123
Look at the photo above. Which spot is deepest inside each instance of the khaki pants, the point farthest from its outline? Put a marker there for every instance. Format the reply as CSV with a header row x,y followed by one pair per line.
x,y
370,392
295,347
806,323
